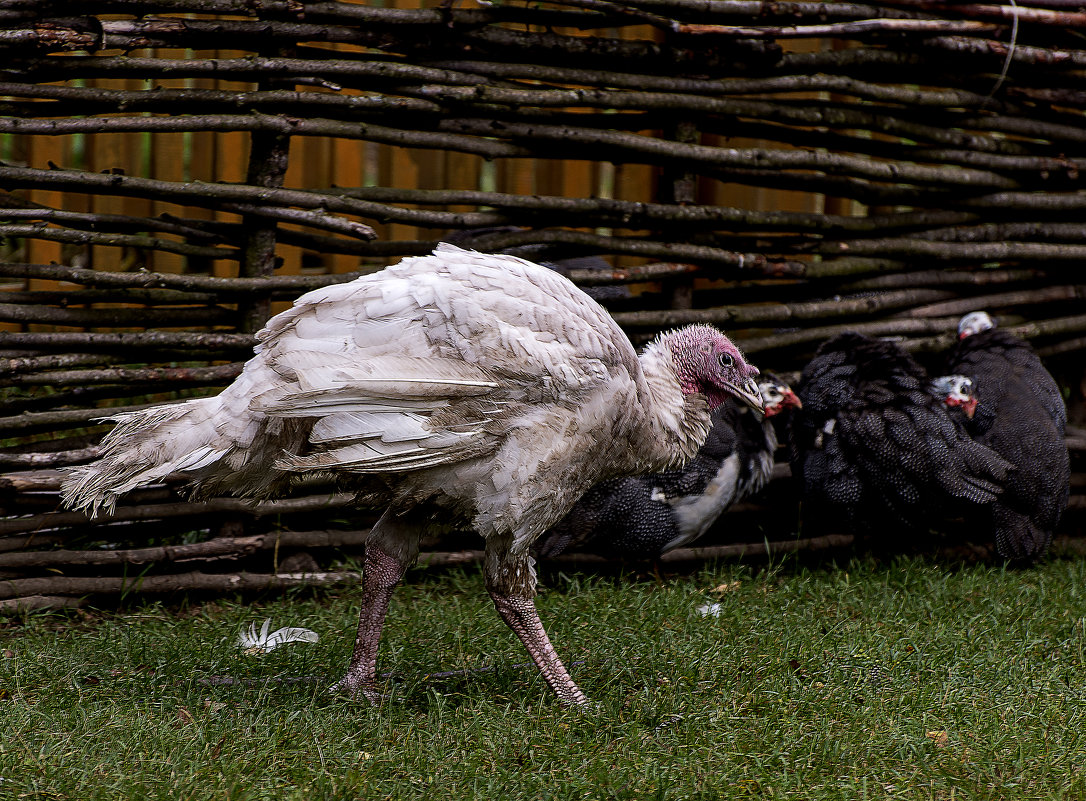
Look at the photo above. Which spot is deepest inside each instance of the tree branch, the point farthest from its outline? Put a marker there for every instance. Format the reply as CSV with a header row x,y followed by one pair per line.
x,y
187,582
56,520
740,316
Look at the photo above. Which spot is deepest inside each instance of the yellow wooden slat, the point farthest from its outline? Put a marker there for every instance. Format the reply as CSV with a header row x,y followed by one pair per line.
x,y
41,150
167,160
348,165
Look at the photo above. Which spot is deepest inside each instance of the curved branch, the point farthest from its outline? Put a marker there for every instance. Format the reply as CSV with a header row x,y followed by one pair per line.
x,y
264,122
1048,294
190,229
119,317
186,283
173,375
630,147
945,327
973,251
57,520
862,28
116,342
672,251
206,582
77,237
215,195
87,297
739,316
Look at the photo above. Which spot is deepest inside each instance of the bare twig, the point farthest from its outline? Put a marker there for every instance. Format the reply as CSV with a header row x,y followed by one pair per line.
x,y
54,520
742,316
210,550
36,603
117,342
180,582
1017,299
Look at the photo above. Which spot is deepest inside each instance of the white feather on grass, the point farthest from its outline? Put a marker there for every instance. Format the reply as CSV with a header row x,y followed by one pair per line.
x,y
262,642
710,610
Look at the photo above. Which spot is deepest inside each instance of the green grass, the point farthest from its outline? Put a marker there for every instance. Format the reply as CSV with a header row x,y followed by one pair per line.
x,y
904,680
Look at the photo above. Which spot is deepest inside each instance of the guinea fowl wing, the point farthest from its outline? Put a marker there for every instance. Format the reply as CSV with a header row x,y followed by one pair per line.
x,y
869,439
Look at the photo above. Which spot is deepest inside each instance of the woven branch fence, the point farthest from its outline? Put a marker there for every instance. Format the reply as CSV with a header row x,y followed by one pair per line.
x,y
172,172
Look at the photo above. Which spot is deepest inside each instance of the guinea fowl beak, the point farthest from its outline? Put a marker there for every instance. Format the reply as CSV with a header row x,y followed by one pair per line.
x,y
748,393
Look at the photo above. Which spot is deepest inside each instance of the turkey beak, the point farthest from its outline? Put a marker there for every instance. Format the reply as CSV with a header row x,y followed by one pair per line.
x,y
748,393
970,407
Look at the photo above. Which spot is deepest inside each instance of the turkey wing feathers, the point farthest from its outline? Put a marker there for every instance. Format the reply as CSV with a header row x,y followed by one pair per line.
x,y
390,371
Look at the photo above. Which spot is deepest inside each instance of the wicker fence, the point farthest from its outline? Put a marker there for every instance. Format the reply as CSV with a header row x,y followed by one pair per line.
x,y
172,172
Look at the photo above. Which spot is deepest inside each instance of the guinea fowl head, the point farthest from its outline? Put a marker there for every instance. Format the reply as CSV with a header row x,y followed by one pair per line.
x,y
707,362
956,391
777,395
974,323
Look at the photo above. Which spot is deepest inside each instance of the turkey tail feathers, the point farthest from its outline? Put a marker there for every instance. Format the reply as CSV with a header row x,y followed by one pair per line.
x,y
145,447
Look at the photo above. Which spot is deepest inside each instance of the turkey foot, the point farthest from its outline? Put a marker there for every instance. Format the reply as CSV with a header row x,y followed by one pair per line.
x,y
521,616
381,573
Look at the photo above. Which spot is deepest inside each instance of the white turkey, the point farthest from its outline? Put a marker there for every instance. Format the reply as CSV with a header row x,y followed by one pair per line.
x,y
457,387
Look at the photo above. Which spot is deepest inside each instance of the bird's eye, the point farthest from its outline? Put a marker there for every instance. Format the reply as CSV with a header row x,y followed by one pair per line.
x,y
726,359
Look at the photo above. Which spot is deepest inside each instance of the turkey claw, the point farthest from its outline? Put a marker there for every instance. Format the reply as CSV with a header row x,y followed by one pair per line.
x,y
356,691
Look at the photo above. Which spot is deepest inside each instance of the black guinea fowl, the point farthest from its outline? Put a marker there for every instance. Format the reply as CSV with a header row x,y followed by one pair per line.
x,y
874,449
1025,423
645,516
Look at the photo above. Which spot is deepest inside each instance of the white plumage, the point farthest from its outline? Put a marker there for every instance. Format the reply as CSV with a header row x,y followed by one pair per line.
x,y
261,642
463,386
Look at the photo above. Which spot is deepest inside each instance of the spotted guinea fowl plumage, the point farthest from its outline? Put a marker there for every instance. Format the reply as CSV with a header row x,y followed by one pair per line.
x,y
872,445
1024,423
457,388
643,517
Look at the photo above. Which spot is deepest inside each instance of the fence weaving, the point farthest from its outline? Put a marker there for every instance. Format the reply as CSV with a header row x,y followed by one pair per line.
x,y
173,172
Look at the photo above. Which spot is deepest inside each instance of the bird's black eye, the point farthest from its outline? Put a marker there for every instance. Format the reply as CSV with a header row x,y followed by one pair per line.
x,y
726,359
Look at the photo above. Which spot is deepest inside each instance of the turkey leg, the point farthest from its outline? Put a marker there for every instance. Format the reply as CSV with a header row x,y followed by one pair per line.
x,y
390,550
510,580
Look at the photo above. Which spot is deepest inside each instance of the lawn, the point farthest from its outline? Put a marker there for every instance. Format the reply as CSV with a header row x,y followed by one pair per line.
x,y
903,679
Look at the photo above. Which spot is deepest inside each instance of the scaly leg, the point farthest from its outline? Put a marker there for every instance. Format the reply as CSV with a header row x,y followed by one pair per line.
x,y
510,580
391,548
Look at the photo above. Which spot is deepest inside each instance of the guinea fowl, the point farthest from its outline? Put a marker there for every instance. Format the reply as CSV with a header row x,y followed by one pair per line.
x,y
1025,425
645,516
873,445
959,395
458,387
957,392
